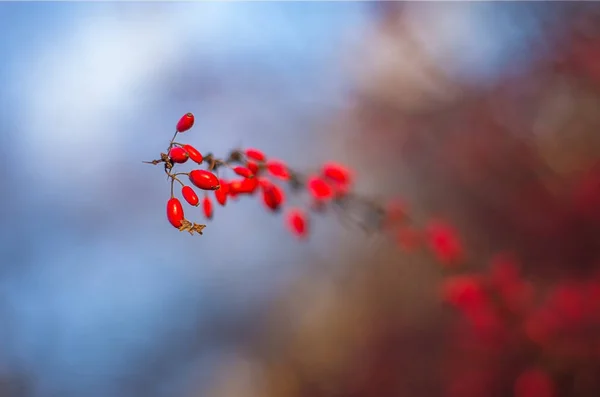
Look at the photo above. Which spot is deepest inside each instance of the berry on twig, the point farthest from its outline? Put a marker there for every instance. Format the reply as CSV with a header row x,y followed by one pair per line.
x,y
331,185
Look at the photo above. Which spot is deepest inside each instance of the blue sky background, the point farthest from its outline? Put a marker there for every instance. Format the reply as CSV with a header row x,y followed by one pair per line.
x,y
96,290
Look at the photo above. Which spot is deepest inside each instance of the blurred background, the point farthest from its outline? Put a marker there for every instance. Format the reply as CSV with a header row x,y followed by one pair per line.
x,y
485,114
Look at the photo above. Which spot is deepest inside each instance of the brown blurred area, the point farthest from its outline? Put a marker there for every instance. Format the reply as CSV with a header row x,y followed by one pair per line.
x,y
515,166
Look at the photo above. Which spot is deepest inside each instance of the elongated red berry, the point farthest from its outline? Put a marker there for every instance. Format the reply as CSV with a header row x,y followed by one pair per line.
x,y
185,122
255,154
190,196
243,171
207,207
204,180
297,221
319,189
221,194
463,291
278,170
174,212
336,172
178,155
273,196
193,153
253,166
243,186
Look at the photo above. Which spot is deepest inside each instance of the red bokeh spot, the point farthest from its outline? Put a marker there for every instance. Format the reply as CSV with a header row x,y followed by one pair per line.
x,y
534,383
445,244
464,291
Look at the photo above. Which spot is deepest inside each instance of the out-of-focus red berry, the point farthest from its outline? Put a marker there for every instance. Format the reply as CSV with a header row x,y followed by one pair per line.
x,y
243,171
243,186
273,196
255,154
178,155
297,222
221,193
337,173
278,169
464,291
253,166
185,122
207,207
319,189
444,242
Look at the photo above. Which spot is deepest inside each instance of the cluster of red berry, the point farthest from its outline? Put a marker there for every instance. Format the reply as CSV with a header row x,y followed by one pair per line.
x,y
254,173
501,308
553,328
328,186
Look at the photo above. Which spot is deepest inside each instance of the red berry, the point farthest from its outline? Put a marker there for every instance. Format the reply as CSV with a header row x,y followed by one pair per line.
x,y
221,194
204,180
207,206
252,166
249,185
336,172
264,182
273,196
243,186
234,187
243,171
174,212
464,291
255,154
190,196
193,153
444,242
319,189
297,222
178,155
185,122
278,170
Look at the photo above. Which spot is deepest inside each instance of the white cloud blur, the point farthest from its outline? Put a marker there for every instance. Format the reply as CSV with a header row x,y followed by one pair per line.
x,y
97,71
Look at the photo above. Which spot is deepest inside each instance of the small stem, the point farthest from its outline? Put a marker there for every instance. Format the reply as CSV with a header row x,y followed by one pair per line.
x,y
172,140
174,178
